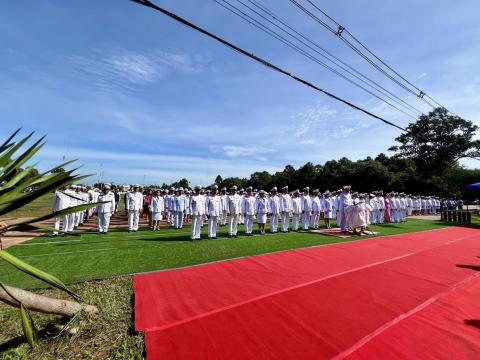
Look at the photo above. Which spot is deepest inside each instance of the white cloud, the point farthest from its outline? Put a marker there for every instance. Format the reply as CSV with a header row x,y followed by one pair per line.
x,y
235,151
126,69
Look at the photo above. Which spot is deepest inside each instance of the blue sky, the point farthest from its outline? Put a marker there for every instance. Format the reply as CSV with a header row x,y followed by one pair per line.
x,y
135,95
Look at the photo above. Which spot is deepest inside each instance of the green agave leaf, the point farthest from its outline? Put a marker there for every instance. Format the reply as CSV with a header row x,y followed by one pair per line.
x,y
10,202
19,161
7,143
28,326
6,157
37,273
18,178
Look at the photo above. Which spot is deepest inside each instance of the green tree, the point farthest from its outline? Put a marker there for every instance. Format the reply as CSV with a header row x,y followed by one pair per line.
x,y
436,141
218,180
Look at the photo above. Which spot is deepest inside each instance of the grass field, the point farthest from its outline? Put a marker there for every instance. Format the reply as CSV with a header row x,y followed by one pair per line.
x,y
41,206
92,256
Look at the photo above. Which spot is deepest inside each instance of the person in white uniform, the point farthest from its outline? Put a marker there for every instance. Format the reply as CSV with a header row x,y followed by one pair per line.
x,y
306,208
248,209
316,207
241,218
157,208
224,207
197,206
61,201
234,209
261,211
274,209
328,208
345,201
179,205
285,208
105,210
134,206
213,209
296,210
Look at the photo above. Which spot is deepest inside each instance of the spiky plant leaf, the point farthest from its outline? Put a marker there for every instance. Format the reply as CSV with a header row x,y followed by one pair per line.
x,y
37,273
28,326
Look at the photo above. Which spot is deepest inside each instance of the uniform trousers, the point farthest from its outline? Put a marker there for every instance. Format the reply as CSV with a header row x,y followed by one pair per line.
x,y
104,221
285,221
197,222
223,219
71,222
274,223
178,219
77,219
394,215
212,226
295,221
380,216
241,219
248,224
56,224
342,221
314,220
305,220
233,223
171,217
133,219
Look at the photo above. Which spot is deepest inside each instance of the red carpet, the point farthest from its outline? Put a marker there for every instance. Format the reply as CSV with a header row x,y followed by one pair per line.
x,y
410,296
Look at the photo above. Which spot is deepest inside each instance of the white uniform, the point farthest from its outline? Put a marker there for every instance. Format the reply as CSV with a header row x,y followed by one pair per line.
x,y
241,218
61,202
345,200
214,210
285,209
197,206
381,209
224,207
306,211
178,206
134,206
261,210
234,209
104,211
316,207
248,208
274,207
296,212
328,207
157,207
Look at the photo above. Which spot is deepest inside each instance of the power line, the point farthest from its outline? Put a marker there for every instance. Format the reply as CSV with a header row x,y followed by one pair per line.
x,y
262,61
232,8
339,33
335,60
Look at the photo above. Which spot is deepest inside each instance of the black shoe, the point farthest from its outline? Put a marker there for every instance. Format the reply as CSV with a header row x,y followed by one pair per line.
x,y
214,238
235,236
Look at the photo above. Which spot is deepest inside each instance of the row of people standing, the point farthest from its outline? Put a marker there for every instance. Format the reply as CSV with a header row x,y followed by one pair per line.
x,y
75,195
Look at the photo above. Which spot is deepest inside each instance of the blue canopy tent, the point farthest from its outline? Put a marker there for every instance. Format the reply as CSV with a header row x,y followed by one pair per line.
x,y
472,187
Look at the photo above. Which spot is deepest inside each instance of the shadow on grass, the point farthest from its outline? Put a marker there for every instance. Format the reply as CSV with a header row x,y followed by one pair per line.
x,y
49,331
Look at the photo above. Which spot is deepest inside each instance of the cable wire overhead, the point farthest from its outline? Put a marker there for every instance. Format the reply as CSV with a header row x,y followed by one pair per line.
x,y
262,61
368,55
